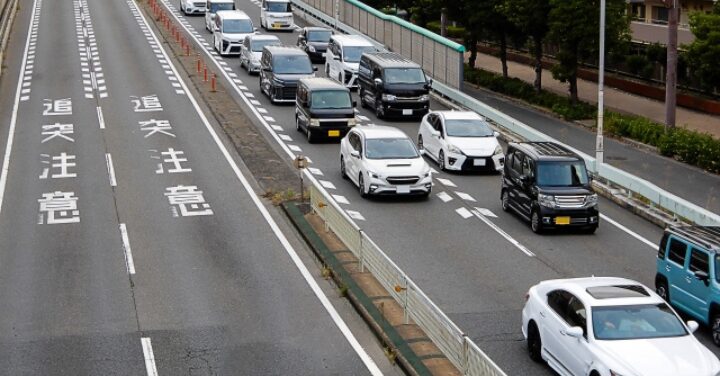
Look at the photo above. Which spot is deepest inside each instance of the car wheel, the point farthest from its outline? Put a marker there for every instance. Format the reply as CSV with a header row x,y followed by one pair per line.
x,y
181,8
343,173
311,139
661,288
535,224
441,160
505,200
420,143
716,328
361,93
361,185
534,343
379,110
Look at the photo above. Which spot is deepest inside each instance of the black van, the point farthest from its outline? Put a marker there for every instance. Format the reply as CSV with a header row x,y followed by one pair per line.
x,y
280,69
548,185
393,85
323,108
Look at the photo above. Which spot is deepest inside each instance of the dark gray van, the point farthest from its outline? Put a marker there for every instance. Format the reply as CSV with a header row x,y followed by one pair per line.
x,y
393,85
280,70
324,108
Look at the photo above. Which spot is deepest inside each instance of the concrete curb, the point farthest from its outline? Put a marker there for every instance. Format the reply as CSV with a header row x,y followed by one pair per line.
x,y
8,17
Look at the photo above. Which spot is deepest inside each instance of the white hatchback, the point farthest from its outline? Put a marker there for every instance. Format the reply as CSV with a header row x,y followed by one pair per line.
x,y
384,160
610,327
460,141
251,50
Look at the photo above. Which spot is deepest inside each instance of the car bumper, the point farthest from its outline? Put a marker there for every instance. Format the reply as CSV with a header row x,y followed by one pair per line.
x,y
461,162
382,187
330,132
406,109
316,56
557,218
193,10
253,68
275,25
284,93
230,48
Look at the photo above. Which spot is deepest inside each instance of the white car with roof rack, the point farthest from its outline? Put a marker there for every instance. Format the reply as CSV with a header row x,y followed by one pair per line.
x,y
231,28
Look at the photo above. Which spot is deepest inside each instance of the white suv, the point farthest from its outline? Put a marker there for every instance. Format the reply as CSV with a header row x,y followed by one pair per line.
x,y
252,48
193,6
213,6
231,28
384,160
342,57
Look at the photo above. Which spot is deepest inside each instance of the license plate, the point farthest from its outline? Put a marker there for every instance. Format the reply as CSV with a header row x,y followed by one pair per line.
x,y
407,112
403,189
277,25
334,133
562,220
479,162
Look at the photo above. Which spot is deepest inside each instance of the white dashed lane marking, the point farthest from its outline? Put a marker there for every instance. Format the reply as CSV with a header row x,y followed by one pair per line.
x,y
465,196
464,213
315,171
327,184
341,199
486,212
30,55
444,196
355,215
446,182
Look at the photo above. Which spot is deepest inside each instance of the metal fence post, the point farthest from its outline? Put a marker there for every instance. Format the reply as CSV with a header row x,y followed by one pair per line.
x,y
466,350
405,300
361,252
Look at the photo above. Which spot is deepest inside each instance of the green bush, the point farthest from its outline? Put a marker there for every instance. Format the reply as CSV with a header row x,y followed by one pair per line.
x,y
456,32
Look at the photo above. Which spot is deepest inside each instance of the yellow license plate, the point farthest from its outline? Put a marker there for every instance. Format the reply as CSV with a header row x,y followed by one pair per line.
x,y
334,133
277,25
562,220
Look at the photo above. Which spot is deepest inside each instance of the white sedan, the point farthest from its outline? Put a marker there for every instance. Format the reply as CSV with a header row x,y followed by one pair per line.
x,y
460,140
383,160
610,327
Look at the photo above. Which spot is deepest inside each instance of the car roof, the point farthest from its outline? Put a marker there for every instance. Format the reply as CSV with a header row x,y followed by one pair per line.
x,y
285,50
322,83
390,60
380,131
221,1
705,236
544,150
263,37
232,14
352,40
317,28
602,297
459,115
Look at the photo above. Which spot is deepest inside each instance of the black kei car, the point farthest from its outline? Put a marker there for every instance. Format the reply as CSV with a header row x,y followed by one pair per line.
x,y
324,108
280,70
314,41
548,185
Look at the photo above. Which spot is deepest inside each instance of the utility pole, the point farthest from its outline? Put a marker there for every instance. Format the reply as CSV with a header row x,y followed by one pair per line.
x,y
443,22
599,143
672,56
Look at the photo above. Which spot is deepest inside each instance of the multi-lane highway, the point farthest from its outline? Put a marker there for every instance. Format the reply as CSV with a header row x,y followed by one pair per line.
x,y
476,264
132,241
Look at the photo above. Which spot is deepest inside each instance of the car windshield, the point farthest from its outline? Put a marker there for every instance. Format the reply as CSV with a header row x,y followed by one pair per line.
x,y
562,174
404,76
390,148
319,35
328,99
292,64
278,6
257,45
352,54
237,26
636,322
467,128
215,7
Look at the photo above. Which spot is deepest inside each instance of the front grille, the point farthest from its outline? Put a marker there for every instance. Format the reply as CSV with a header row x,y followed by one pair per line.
x,y
407,105
199,5
469,165
578,221
288,92
235,49
570,201
402,180
334,124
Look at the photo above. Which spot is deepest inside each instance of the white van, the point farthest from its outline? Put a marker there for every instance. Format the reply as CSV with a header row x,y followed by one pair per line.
x,y
231,28
342,57
212,7
276,15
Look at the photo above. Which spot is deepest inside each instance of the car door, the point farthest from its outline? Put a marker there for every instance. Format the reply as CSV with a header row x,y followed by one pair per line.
x,y
334,61
517,194
675,272
353,163
698,289
429,140
552,325
263,14
570,354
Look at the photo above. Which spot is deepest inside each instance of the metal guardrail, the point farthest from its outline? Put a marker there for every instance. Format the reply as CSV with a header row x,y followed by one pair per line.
x,y
454,344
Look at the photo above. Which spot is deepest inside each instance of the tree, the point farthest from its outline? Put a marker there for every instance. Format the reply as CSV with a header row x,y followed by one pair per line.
x,y
703,53
531,18
574,27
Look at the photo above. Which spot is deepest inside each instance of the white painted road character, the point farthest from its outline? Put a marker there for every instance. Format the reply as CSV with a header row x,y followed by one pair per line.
x,y
148,103
62,162
60,207
57,107
189,200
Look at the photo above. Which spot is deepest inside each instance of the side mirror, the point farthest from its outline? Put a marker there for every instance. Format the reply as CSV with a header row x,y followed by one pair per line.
x,y
693,326
435,133
378,83
355,154
314,69
337,58
255,29
266,69
574,332
702,276
496,133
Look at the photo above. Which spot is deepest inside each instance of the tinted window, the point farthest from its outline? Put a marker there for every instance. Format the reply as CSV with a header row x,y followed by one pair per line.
x,y
558,301
576,315
663,246
561,174
237,26
331,99
221,6
353,54
404,76
319,36
517,162
467,128
677,251
278,6
257,45
636,322
292,64
390,148
699,261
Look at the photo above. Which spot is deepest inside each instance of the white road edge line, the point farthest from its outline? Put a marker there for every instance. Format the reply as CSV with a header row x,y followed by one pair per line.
x,y
630,232
149,357
110,169
503,233
349,336
13,119
129,263
101,118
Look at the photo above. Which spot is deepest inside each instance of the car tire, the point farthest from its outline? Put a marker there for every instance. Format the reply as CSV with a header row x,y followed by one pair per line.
x,y
505,201
536,222
441,160
661,288
715,328
343,173
379,113
361,186
534,343
181,8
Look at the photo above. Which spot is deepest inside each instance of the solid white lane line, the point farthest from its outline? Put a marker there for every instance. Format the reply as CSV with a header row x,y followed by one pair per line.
x,y
149,357
504,234
129,264
13,118
629,232
305,273
101,118
110,169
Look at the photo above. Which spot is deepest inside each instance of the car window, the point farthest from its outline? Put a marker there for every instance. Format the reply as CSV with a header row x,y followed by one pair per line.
x,y
292,64
259,44
636,322
237,26
352,54
319,35
354,141
404,75
331,99
278,6
663,246
517,163
562,174
699,261
526,170
677,251
558,301
576,315
467,128
390,148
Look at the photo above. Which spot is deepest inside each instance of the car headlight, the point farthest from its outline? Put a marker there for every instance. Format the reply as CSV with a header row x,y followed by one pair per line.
x,y
427,173
591,200
314,122
547,201
311,48
498,150
389,97
352,122
278,81
454,149
374,175
424,98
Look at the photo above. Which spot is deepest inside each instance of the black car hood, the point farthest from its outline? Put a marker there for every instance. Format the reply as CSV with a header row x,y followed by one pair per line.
x,y
332,113
566,191
406,90
290,78
318,46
